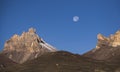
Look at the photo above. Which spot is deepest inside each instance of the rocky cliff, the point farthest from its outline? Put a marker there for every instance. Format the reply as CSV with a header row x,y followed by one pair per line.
x,y
25,47
112,40
106,48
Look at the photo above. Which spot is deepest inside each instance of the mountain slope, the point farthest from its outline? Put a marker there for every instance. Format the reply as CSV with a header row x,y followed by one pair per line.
x,y
5,62
62,61
108,48
25,47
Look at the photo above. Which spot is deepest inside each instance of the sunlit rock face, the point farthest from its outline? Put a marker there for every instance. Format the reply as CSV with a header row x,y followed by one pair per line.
x,y
25,47
112,40
106,48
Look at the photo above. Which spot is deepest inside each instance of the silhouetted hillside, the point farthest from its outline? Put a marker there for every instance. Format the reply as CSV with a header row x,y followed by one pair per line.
x,y
63,61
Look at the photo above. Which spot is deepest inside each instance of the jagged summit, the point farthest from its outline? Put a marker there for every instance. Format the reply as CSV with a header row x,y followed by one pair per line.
x,y
26,46
45,58
32,30
112,40
107,48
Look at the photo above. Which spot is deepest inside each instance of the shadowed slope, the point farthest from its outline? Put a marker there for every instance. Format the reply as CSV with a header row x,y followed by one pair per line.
x,y
5,62
62,61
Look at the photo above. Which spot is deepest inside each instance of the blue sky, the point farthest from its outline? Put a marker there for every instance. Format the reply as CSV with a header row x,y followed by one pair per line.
x,y
53,21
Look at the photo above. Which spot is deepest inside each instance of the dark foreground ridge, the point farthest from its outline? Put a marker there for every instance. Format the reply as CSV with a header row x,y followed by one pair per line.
x,y
63,61
5,62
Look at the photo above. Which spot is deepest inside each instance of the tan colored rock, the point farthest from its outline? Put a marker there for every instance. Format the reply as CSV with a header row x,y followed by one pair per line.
x,y
112,40
100,37
25,47
107,48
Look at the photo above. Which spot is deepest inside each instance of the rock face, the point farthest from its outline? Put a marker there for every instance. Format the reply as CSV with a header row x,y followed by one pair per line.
x,y
26,47
112,40
106,48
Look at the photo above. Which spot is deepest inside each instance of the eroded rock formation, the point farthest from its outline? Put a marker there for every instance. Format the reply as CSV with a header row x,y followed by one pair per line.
x,y
107,48
25,47
112,40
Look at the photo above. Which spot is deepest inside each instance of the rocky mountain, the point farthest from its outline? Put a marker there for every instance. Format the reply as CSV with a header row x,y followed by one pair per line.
x,y
62,61
112,40
107,48
33,54
27,46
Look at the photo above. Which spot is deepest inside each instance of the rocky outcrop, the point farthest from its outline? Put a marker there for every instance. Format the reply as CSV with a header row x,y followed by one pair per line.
x,y
107,48
112,40
25,47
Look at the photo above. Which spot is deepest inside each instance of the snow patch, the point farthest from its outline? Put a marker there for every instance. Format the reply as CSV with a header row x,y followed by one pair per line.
x,y
48,46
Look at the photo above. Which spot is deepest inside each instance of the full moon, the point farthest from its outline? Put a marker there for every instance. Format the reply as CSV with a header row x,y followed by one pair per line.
x,y
75,18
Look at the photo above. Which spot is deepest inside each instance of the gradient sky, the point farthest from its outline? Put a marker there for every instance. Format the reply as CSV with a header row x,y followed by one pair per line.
x,y
53,20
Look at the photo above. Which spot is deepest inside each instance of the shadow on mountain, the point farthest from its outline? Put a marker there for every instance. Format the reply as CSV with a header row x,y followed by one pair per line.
x,y
5,62
63,61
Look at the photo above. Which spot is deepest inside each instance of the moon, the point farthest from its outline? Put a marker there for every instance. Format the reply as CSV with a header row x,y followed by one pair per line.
x,y
75,18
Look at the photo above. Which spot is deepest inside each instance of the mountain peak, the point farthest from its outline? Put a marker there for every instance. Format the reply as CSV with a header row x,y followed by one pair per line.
x,y
118,32
106,48
27,46
100,37
112,40
32,30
